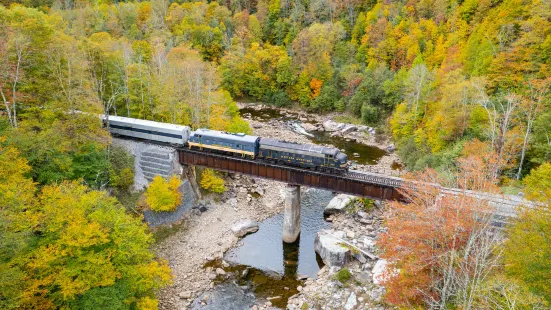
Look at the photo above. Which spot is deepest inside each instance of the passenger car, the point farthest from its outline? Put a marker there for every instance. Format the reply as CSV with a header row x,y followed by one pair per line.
x,y
150,130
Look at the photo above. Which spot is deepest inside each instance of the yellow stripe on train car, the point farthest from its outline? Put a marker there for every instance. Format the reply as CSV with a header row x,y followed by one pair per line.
x,y
225,149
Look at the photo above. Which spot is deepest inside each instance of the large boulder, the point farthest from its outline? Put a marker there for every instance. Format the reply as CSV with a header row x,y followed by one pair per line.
x,y
331,250
243,227
337,204
330,125
348,128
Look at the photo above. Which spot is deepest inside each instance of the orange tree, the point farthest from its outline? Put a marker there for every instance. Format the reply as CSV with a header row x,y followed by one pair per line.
x,y
438,244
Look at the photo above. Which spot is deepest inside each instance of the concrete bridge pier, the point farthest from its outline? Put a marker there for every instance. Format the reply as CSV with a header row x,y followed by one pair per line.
x,y
291,216
190,173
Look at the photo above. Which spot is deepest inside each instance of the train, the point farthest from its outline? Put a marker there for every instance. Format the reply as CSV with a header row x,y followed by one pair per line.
x,y
306,156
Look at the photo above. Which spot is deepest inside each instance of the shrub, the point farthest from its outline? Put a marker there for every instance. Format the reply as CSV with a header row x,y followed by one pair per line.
x,y
211,182
359,204
163,195
343,275
239,125
370,114
121,170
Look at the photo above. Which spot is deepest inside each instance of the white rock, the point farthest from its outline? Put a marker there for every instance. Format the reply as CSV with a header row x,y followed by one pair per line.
x,y
337,204
330,125
339,234
243,227
349,128
232,202
368,242
330,250
351,302
309,127
185,295
380,273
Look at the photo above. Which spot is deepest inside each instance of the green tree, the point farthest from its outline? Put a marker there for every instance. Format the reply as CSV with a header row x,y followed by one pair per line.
x,y
528,249
121,170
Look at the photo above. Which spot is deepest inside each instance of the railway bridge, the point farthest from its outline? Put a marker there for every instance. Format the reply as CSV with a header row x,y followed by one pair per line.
x,y
369,185
358,183
374,186
365,184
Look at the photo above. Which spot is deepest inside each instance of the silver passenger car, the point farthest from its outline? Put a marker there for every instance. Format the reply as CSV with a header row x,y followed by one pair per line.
x,y
150,130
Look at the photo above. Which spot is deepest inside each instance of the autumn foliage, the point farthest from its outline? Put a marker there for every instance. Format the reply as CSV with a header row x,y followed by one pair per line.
x,y
164,195
528,250
436,239
66,246
211,182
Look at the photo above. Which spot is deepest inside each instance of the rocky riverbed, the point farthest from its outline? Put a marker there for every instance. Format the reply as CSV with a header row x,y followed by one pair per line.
x,y
300,127
348,279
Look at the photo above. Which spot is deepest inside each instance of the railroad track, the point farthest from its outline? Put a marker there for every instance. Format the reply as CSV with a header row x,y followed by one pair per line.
x,y
367,177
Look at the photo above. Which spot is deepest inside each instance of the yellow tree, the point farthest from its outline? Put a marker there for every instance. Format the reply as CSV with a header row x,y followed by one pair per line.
x,y
16,196
89,254
211,182
163,195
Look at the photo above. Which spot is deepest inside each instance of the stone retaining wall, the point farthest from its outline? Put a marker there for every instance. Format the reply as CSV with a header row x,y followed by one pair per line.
x,y
150,160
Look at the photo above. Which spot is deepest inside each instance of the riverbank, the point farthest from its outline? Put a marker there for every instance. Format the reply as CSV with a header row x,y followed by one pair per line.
x,y
206,235
351,286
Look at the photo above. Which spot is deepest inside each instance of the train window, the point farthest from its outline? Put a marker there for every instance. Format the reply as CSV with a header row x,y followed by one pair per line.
x,y
237,145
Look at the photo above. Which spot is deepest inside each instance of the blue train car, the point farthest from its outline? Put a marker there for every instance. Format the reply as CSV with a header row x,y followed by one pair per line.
x,y
309,156
224,142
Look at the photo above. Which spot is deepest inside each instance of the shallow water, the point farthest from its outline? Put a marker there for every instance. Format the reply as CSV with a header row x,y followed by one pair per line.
x,y
265,250
265,266
366,154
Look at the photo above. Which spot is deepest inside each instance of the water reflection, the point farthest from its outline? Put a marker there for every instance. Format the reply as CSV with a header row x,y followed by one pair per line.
x,y
290,258
270,267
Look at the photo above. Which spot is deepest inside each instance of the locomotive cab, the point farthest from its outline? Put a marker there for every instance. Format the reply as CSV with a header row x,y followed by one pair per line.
x,y
342,160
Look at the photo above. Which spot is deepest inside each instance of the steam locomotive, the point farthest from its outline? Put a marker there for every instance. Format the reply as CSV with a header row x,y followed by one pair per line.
x,y
308,156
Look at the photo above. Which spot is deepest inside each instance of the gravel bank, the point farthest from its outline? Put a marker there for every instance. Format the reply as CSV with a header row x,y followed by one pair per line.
x,y
207,235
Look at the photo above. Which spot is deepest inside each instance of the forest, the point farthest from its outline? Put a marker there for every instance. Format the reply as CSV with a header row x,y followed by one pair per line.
x,y
433,75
